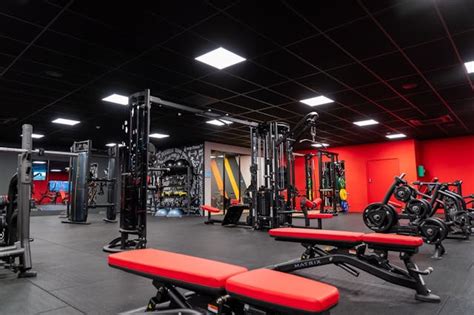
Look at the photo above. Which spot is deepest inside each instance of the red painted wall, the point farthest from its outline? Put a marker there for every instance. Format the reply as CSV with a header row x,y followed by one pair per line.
x,y
356,158
448,159
41,186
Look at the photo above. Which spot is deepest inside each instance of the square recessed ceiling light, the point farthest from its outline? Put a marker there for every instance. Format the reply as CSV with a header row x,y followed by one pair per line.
x,y
114,144
64,121
395,136
320,145
218,122
469,66
367,122
117,99
35,136
158,135
56,170
318,100
220,58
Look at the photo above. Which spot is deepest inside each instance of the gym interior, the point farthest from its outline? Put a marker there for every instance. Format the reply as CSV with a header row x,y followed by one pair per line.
x,y
237,157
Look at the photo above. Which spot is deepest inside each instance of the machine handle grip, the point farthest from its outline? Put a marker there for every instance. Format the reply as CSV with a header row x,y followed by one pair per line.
x,y
400,178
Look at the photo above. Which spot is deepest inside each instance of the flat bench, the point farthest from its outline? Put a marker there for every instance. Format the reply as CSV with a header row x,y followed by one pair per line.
x,y
226,285
349,249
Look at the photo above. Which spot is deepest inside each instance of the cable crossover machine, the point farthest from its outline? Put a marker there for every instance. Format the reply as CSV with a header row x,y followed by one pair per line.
x,y
15,252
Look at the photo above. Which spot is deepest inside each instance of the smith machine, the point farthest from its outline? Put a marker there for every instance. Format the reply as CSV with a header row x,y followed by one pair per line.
x,y
136,168
15,253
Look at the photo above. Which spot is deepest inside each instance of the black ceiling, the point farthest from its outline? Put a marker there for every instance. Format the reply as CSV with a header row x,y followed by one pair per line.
x,y
60,58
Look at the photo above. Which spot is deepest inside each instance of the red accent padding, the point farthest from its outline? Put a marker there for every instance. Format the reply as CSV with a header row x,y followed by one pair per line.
x,y
321,235
283,289
317,201
308,204
318,215
177,267
210,209
392,239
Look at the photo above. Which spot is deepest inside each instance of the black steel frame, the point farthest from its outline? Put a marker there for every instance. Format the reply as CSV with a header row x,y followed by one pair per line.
x,y
376,264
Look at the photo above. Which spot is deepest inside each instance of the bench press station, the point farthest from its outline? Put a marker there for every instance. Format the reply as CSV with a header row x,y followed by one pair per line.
x,y
350,249
222,288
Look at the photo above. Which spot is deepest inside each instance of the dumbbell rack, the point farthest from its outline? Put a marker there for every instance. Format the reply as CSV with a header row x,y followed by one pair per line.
x,y
175,189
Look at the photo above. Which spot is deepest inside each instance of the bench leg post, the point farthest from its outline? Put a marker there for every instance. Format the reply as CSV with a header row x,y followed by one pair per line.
x,y
320,224
422,292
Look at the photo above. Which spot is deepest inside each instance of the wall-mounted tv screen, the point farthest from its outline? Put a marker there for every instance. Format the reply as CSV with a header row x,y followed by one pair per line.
x,y
39,171
58,185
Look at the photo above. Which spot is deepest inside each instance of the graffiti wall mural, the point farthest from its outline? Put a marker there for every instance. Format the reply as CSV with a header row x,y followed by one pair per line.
x,y
195,156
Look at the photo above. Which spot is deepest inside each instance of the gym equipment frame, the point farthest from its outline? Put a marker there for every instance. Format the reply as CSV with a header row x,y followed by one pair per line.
x,y
18,245
382,217
81,180
134,181
349,249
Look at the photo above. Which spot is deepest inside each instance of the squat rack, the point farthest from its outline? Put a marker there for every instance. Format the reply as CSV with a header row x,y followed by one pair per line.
x,y
21,248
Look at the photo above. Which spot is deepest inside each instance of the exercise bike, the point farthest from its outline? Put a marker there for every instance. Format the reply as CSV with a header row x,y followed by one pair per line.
x,y
383,218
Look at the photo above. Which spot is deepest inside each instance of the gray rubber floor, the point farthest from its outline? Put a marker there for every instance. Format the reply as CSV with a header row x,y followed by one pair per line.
x,y
73,276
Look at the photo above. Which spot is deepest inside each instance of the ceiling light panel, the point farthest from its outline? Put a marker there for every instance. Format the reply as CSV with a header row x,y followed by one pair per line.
x,y
220,58
469,66
117,99
218,122
320,145
158,135
64,121
396,136
316,101
367,122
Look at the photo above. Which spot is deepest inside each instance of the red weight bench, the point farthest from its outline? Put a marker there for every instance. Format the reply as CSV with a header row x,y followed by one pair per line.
x,y
350,250
222,288
232,215
307,214
210,209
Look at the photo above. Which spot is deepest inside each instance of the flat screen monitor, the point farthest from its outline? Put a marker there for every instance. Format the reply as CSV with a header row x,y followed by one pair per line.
x,y
39,171
58,185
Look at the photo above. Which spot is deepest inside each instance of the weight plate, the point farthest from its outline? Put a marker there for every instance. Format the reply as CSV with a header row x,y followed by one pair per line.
x,y
379,217
420,208
433,230
403,193
343,194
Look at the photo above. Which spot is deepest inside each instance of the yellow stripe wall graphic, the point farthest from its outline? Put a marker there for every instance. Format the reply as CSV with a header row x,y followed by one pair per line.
x,y
230,175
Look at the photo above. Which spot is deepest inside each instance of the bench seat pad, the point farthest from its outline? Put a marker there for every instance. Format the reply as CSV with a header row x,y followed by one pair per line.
x,y
210,209
274,289
318,215
316,235
392,239
153,263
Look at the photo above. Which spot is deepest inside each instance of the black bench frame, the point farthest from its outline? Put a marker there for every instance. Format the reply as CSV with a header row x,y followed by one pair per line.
x,y
169,298
375,263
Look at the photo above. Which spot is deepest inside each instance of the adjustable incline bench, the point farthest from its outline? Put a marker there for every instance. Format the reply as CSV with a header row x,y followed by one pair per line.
x,y
307,214
350,249
222,288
